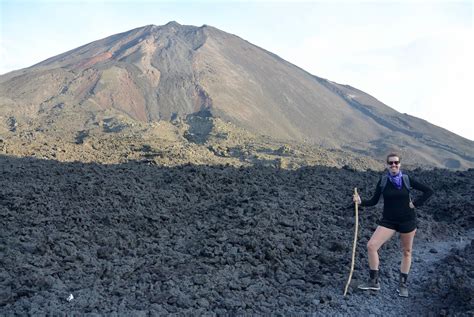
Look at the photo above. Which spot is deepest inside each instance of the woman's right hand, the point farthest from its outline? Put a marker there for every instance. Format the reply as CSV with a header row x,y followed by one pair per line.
x,y
356,199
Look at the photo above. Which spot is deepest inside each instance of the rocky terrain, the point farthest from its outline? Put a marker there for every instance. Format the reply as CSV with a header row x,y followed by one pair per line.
x,y
108,137
182,170
145,240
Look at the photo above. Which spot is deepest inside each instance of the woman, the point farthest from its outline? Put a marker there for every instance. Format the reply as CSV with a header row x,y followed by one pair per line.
x,y
398,216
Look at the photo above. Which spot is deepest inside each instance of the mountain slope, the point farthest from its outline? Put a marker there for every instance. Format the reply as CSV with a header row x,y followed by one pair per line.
x,y
171,72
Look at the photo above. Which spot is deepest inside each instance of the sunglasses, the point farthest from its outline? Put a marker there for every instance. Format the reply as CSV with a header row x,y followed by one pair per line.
x,y
393,162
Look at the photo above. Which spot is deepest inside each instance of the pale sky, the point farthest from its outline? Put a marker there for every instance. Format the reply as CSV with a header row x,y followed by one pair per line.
x,y
416,56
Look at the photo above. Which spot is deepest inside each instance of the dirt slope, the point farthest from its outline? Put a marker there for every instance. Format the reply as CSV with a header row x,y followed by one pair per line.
x,y
173,71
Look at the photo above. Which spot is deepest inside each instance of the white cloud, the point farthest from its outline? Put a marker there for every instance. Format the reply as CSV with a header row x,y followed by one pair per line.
x,y
428,73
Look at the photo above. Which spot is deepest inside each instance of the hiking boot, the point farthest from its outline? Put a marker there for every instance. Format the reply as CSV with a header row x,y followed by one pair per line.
x,y
402,290
402,286
372,284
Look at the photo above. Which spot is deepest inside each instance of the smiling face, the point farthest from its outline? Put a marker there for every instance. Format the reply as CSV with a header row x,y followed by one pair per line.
x,y
393,164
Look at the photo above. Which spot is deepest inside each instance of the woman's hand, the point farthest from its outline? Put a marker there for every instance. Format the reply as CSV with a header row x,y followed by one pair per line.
x,y
356,199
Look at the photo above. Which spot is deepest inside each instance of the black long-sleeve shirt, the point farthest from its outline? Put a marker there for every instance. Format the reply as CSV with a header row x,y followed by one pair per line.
x,y
396,201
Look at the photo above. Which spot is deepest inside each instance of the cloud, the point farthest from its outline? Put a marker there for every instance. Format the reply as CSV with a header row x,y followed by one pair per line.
x,y
428,73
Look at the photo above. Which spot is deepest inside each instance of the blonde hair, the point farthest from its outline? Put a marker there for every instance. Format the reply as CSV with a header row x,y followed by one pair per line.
x,y
392,155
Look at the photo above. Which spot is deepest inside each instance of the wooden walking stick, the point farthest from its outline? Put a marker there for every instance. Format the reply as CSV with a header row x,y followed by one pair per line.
x,y
354,244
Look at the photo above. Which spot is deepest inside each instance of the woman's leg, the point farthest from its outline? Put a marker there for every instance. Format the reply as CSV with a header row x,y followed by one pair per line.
x,y
406,241
379,237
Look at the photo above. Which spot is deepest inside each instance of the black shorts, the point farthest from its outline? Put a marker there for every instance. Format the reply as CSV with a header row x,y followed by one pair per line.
x,y
402,227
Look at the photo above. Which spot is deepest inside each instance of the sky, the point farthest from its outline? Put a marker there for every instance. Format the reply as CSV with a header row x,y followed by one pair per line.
x,y
413,55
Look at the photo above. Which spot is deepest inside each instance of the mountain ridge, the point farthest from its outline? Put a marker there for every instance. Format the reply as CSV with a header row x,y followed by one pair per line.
x,y
155,73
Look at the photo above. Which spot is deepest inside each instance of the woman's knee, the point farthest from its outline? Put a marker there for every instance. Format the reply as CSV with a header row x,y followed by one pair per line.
x,y
372,246
406,253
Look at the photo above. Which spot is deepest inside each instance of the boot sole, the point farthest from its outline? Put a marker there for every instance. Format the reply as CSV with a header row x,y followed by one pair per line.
x,y
398,291
369,288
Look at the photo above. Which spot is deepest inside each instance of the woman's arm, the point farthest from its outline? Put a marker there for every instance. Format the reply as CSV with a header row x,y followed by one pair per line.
x,y
375,198
427,192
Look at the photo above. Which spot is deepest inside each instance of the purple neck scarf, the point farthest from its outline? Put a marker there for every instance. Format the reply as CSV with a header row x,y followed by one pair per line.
x,y
396,179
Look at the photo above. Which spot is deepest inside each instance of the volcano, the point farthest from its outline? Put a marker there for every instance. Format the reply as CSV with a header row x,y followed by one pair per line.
x,y
172,72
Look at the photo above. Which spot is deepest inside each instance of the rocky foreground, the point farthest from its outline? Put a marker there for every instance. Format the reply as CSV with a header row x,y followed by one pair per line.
x,y
138,239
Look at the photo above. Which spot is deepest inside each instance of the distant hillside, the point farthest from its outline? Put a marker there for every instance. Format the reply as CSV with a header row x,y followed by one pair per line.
x,y
175,72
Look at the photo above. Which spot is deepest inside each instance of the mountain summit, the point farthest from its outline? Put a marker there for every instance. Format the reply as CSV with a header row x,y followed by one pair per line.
x,y
169,72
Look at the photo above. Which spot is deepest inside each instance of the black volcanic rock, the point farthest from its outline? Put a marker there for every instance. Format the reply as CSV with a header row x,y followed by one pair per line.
x,y
133,239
